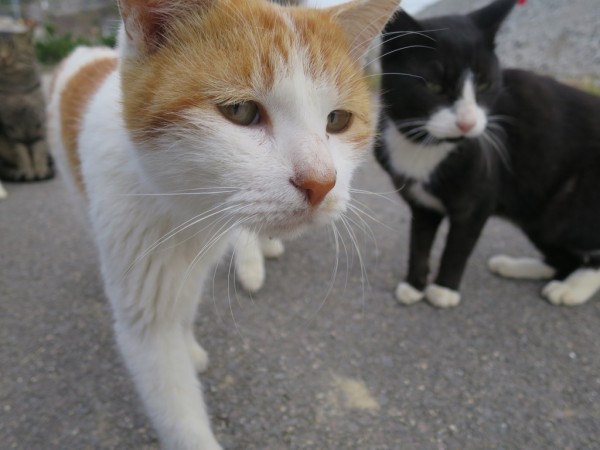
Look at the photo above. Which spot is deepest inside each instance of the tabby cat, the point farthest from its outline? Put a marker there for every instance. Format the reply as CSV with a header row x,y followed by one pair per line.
x,y
212,115
23,151
464,139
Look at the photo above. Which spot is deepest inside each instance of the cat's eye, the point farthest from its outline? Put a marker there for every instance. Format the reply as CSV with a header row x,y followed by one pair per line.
x,y
338,121
483,86
434,88
244,113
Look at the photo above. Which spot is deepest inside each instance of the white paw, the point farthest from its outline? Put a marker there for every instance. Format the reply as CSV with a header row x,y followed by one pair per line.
x,y
3,193
271,247
251,274
522,268
198,355
442,297
408,295
249,261
575,290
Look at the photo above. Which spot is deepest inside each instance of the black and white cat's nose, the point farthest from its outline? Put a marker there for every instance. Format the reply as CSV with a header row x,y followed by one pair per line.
x,y
466,125
314,186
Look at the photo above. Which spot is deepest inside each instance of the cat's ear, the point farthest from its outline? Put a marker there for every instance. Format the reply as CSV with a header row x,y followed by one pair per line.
x,y
489,18
145,21
403,31
363,21
402,21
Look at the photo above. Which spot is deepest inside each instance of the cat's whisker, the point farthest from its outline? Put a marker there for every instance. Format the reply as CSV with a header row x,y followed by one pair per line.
x,y
363,225
408,47
497,146
501,118
179,194
187,224
398,34
349,260
355,46
363,270
394,73
388,196
370,215
219,234
333,277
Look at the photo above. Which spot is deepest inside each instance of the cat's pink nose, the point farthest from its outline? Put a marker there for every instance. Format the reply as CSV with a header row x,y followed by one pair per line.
x,y
465,125
314,188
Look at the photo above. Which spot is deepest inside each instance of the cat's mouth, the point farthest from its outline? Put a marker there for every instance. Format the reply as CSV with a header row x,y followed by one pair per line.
x,y
298,221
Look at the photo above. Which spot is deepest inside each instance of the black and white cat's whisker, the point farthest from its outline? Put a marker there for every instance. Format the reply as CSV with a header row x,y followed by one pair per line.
x,y
498,146
495,118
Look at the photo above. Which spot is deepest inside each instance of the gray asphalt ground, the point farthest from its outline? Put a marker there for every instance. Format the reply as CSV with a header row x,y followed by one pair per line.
x,y
294,367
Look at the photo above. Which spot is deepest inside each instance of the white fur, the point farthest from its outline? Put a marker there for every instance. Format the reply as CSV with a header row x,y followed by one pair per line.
x,y
444,123
414,160
3,193
520,268
408,295
271,247
154,258
578,288
249,261
442,297
418,193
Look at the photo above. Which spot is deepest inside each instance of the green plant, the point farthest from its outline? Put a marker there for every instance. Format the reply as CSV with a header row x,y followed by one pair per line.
x,y
54,47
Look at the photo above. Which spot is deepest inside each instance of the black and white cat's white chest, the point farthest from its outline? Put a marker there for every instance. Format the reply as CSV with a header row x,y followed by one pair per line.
x,y
415,162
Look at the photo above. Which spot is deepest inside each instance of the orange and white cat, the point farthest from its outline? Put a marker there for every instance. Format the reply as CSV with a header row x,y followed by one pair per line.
x,y
212,116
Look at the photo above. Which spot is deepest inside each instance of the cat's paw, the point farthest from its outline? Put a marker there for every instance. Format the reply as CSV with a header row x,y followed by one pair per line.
x,y
198,355
520,268
408,295
3,193
250,272
578,288
272,247
442,297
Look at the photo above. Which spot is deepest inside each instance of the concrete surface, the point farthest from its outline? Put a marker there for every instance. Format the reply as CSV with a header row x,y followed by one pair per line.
x,y
294,367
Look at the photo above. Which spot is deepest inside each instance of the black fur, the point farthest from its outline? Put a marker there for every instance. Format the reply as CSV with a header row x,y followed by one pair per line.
x,y
548,180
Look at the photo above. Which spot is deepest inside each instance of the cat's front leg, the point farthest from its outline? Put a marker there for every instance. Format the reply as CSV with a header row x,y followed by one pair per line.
x,y
249,261
462,237
24,170
424,226
41,160
159,359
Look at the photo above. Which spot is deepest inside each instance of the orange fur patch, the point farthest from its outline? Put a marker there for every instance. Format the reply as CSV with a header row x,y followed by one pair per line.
x,y
75,97
232,51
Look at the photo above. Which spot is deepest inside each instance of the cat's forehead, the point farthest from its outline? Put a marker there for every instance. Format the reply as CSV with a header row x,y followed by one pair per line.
x,y
241,51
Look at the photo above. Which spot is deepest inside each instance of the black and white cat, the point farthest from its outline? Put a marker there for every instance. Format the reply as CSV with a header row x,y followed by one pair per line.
x,y
464,139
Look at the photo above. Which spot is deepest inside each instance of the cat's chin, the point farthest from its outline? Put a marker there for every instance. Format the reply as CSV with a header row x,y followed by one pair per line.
x,y
297,226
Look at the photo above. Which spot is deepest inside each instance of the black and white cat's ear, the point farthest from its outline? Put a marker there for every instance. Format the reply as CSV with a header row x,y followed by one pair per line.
x,y
363,21
403,21
489,18
402,31
145,21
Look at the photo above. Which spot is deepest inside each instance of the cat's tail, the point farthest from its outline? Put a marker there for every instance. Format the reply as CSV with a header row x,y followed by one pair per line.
x,y
74,84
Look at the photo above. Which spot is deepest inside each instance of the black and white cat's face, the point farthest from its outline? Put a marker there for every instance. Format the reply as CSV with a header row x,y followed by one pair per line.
x,y
452,74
